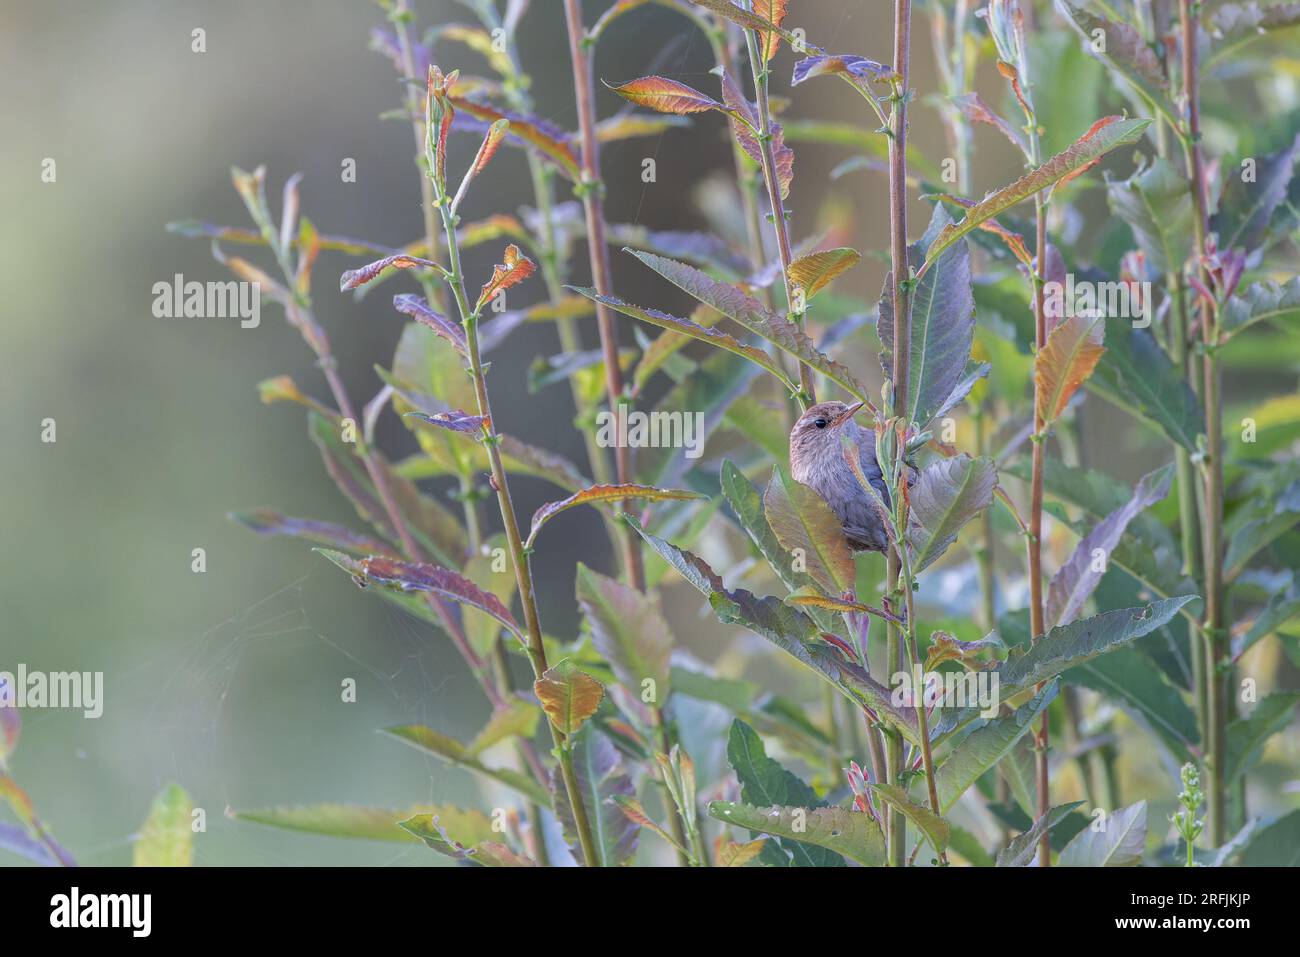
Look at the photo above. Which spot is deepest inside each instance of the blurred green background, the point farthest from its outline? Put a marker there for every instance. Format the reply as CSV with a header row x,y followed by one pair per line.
x,y
228,682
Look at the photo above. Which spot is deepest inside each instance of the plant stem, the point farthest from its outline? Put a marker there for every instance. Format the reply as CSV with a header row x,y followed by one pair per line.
x,y
1217,668
782,228
523,571
591,189
900,292
1038,625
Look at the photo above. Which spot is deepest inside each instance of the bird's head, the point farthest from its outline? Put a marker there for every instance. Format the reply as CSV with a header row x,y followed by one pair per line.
x,y
817,432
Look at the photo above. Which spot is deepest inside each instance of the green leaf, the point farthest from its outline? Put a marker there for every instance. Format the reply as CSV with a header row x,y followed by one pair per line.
x,y
1066,646
1024,847
606,493
268,522
930,824
1119,843
1127,677
852,834
1137,375
805,524
1247,736
629,631
365,823
167,837
985,746
714,337
943,323
431,829
517,718
1105,135
1078,577
1277,845
1281,608
764,781
1247,204
1157,204
1126,53
601,781
948,494
453,752
748,312
1235,24
1261,302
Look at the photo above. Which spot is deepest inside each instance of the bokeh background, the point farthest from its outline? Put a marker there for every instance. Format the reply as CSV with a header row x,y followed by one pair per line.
x,y
228,681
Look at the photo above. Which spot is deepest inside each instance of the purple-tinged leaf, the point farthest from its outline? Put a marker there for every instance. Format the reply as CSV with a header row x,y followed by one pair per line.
x,y
421,577
1079,577
359,277
856,69
455,420
1245,208
948,494
269,522
975,110
1125,52
417,307
782,155
16,840
601,780
942,328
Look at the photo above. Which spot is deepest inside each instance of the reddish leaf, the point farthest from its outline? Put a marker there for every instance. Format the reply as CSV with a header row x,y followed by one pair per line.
x,y
515,269
855,69
266,521
550,142
605,493
770,40
977,111
568,696
359,277
491,143
1071,353
666,96
738,107
814,272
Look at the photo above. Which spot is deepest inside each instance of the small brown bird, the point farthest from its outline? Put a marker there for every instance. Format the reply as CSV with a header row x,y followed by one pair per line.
x,y
817,460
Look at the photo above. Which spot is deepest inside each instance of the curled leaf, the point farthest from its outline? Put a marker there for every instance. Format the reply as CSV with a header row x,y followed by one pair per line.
x,y
515,269
417,307
455,420
359,277
815,271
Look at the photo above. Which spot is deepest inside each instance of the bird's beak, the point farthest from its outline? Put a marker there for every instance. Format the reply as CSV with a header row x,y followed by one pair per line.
x,y
847,414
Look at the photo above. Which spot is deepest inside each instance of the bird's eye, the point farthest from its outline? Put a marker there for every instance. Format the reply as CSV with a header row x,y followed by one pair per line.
x,y
820,423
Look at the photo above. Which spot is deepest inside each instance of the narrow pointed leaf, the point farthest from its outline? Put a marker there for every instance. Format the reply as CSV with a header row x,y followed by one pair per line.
x,y
1157,204
451,751
1119,844
602,781
1247,736
1262,302
932,825
947,495
850,834
606,493
805,525
629,631
666,96
359,277
1125,52
1136,374
1073,350
1023,849
1087,150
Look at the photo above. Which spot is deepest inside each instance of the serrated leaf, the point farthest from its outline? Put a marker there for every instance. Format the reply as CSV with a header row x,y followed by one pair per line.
x,y
1024,847
601,781
634,812
1157,205
1247,206
942,324
421,577
514,268
731,854
1247,736
436,834
1119,844
629,631
606,493
568,695
167,838
666,96
813,272
948,494
986,746
1106,135
1079,576
1137,375
804,523
745,120
1072,352
1261,302
1126,677
418,308
932,825
851,834
1125,52
353,278
740,307
714,337
1066,646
